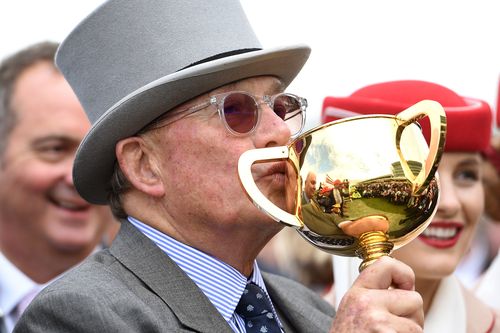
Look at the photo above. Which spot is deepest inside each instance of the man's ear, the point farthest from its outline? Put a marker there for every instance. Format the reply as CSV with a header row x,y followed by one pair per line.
x,y
138,164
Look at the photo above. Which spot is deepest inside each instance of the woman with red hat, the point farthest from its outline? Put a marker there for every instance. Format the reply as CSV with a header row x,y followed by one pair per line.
x,y
435,254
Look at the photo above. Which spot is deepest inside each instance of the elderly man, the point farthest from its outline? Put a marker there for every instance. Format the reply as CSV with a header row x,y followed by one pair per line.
x,y
177,91
309,187
45,226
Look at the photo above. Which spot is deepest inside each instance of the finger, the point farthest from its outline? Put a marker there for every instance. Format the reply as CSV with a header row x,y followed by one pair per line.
x,y
405,303
397,324
358,227
384,273
366,310
401,303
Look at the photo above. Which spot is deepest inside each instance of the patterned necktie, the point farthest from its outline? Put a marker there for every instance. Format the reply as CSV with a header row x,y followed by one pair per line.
x,y
256,309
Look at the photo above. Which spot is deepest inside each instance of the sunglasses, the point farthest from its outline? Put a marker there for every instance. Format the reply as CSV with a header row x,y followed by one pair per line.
x,y
240,114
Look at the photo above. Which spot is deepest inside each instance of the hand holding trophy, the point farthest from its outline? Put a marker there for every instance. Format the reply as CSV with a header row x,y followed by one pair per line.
x,y
377,181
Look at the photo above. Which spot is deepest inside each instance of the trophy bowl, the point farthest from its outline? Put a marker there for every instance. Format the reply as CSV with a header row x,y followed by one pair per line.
x,y
375,185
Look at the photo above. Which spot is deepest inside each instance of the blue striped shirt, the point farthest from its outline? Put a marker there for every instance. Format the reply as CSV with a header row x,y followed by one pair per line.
x,y
222,284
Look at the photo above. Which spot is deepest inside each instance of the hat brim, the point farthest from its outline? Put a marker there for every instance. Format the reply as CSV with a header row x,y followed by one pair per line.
x,y
95,158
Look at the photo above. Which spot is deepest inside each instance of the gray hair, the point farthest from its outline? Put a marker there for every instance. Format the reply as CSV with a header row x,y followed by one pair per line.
x,y
119,185
10,69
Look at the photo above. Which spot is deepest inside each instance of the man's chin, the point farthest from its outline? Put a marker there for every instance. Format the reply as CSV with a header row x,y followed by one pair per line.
x,y
74,244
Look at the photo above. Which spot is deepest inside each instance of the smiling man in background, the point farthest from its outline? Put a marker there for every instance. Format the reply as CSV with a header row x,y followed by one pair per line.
x,y
45,226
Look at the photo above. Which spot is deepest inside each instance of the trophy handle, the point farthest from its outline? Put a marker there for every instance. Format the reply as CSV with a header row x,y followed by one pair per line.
x,y
264,204
437,118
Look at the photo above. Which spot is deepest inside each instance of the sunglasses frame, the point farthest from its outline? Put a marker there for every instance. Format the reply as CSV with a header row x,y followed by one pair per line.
x,y
219,99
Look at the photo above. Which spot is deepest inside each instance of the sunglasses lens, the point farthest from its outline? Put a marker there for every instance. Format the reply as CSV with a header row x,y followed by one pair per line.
x,y
288,108
240,112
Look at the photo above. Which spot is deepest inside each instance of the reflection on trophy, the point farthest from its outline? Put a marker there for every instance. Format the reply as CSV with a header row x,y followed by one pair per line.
x,y
374,185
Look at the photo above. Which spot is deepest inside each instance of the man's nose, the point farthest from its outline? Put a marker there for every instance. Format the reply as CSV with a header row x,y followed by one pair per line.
x,y
272,130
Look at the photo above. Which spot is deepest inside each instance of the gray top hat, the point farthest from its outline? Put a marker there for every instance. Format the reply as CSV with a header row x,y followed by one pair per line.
x,y
131,61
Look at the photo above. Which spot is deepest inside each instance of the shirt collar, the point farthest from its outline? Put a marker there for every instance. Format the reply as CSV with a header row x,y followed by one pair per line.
x,y
14,285
221,283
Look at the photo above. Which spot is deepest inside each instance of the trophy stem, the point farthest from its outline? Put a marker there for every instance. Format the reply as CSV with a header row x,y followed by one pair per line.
x,y
373,245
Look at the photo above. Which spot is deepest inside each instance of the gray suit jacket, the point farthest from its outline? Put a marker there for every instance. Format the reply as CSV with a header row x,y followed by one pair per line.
x,y
134,287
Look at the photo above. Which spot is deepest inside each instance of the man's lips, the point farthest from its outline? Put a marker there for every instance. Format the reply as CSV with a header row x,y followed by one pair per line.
x,y
274,168
71,204
267,169
441,234
270,174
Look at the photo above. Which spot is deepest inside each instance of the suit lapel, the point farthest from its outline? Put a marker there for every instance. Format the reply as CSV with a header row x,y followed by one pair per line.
x,y
296,314
155,269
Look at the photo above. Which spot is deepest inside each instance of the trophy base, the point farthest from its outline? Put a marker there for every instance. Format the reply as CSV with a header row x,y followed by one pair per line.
x,y
373,245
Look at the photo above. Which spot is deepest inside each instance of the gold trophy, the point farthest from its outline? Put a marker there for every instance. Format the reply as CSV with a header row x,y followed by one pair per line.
x,y
376,181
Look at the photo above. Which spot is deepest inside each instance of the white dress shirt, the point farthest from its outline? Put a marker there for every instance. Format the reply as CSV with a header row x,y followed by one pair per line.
x,y
14,286
222,284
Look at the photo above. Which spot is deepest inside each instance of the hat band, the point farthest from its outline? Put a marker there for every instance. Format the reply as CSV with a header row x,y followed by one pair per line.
x,y
220,56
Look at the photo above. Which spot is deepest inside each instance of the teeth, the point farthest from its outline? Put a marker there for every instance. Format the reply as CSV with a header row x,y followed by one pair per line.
x,y
442,233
